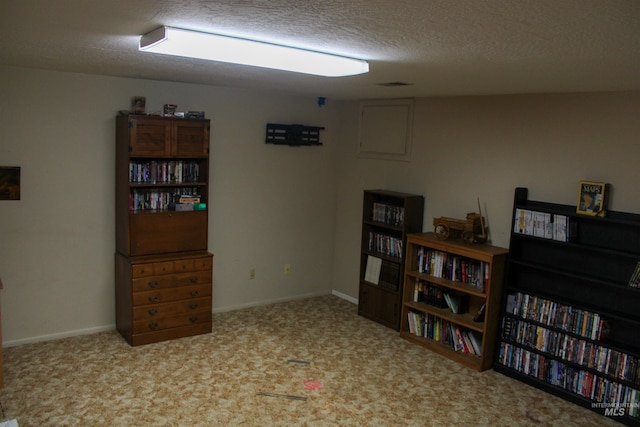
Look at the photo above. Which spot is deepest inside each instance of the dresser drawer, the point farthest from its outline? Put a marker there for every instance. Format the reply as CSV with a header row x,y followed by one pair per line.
x,y
155,311
163,297
171,294
171,280
148,269
151,325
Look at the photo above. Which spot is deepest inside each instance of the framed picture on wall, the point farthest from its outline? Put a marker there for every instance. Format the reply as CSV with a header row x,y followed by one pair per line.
x,y
592,198
9,183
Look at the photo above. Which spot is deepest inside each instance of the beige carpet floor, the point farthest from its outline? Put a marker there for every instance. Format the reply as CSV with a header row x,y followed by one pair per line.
x,y
311,362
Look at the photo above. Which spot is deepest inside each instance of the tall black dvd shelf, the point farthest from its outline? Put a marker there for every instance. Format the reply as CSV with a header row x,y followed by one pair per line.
x,y
570,320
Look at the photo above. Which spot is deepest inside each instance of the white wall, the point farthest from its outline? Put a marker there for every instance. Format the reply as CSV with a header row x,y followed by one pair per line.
x,y
470,147
273,205
269,205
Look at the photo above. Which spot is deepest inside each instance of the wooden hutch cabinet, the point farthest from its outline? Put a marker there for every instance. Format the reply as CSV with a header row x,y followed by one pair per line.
x,y
163,270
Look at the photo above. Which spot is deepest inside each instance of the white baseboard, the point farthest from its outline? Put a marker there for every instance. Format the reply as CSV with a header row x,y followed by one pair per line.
x,y
345,297
51,337
267,302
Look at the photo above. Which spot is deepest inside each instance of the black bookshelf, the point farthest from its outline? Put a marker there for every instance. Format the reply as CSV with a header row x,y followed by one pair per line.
x,y
387,218
580,274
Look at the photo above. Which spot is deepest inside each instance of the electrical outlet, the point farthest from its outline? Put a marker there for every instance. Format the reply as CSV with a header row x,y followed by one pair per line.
x,y
287,269
252,273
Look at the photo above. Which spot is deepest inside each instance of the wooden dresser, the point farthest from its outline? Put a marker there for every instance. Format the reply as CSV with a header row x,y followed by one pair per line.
x,y
163,297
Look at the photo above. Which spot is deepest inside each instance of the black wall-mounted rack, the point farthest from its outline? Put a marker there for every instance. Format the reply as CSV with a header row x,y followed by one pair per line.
x,y
293,135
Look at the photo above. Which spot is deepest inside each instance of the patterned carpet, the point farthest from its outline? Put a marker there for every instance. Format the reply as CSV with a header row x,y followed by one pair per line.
x,y
310,362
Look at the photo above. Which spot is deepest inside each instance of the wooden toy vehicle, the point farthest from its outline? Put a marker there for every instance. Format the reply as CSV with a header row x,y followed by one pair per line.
x,y
471,229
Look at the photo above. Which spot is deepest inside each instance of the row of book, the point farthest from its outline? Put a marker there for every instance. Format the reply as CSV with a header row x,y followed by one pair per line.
x,y
440,297
440,330
585,353
385,244
579,381
545,225
561,316
163,171
388,214
452,267
162,200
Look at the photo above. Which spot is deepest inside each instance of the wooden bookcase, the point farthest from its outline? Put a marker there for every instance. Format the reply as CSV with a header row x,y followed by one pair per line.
x,y
472,273
565,289
387,218
163,269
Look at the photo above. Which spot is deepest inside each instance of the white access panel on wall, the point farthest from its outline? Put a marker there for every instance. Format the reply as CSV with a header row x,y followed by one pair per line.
x,y
386,127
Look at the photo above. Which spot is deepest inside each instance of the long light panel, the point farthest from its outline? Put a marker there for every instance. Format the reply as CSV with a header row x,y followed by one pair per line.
x,y
214,47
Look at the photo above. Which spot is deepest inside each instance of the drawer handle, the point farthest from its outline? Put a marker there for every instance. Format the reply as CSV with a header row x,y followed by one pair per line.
x,y
193,306
153,326
153,312
193,319
194,293
153,298
193,279
153,284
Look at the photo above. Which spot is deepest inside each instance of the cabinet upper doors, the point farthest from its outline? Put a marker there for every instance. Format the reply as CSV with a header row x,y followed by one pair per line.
x,y
159,137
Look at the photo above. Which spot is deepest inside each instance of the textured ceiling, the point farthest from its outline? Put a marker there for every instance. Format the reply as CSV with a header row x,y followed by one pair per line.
x,y
440,47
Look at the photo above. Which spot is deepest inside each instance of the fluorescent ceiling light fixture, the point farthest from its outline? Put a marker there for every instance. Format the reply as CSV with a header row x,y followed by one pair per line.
x,y
214,47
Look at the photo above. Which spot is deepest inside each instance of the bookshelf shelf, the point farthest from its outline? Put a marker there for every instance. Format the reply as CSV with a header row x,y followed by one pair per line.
x,y
574,301
163,269
450,284
466,359
474,272
387,218
465,319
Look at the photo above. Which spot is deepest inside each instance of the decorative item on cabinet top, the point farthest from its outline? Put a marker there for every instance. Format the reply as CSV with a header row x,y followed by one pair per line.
x,y
593,198
293,135
471,230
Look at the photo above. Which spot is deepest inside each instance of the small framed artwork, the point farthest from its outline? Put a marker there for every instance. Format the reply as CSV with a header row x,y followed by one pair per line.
x,y
592,198
9,183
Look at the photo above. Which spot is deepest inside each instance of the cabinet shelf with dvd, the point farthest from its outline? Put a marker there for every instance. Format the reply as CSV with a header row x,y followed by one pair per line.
x,y
470,279
569,317
387,218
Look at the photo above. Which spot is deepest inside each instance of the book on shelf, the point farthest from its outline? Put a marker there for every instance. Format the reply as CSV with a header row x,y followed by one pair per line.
x,y
453,267
593,198
163,171
434,328
188,198
479,316
385,244
457,303
571,348
459,343
429,293
582,381
476,342
372,271
561,316
634,280
544,225
388,214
